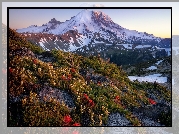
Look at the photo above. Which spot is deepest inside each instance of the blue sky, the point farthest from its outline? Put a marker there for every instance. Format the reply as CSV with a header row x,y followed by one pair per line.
x,y
155,22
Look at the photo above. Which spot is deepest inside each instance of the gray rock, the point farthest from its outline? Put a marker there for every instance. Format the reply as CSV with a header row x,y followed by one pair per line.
x,y
117,119
60,95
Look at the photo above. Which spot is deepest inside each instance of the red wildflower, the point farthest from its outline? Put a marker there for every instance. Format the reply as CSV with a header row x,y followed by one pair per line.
x,y
36,85
69,76
67,119
88,77
152,102
117,97
35,61
63,77
73,70
91,103
99,83
86,96
76,124
10,70
124,107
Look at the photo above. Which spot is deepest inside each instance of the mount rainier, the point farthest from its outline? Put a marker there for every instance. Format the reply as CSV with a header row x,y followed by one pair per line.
x,y
87,27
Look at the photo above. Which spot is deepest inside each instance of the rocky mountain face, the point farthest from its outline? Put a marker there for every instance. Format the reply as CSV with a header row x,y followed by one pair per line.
x,y
87,27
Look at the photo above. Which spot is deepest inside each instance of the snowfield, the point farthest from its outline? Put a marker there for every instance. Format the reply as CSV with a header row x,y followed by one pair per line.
x,y
149,78
152,68
143,46
127,46
89,23
158,62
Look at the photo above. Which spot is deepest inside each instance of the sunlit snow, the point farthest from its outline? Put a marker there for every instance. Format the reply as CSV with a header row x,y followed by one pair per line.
x,y
83,21
152,68
143,46
42,45
127,46
149,78
158,62
168,50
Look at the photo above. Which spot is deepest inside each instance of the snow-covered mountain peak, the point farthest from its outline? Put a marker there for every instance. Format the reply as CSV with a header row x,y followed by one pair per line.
x,y
99,14
84,16
88,27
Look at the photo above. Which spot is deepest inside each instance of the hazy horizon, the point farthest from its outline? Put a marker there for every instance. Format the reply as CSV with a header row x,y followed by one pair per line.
x,y
152,21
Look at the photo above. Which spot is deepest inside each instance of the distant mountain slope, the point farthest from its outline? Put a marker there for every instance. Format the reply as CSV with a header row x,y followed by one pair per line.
x,y
85,28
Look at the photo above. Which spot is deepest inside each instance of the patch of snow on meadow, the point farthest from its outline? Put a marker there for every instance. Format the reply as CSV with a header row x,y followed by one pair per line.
x,y
152,68
149,78
143,46
127,46
158,62
168,50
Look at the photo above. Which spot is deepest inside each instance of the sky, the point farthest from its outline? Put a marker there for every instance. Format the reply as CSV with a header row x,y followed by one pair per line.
x,y
152,21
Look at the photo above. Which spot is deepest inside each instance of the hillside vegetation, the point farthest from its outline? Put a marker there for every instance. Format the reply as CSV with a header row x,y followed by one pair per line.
x,y
59,88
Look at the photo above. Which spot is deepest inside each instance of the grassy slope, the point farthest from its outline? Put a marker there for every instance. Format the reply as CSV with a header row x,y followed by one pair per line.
x,y
64,74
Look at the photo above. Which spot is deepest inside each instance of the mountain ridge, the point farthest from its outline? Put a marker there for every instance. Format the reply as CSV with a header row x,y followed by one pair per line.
x,y
91,27
88,16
